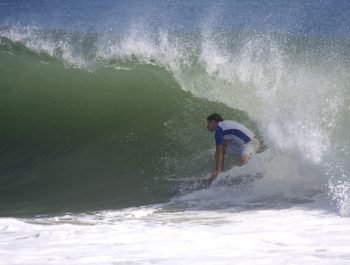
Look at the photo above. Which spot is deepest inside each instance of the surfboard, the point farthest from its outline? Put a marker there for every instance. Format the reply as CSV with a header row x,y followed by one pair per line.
x,y
241,179
224,179
187,179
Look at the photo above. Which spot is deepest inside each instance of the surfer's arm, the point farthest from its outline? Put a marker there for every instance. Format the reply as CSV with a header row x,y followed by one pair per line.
x,y
219,160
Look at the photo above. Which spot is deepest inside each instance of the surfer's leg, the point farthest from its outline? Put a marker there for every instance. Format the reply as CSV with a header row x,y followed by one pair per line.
x,y
232,148
244,160
248,150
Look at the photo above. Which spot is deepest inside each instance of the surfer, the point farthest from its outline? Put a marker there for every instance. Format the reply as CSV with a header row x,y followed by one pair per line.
x,y
231,137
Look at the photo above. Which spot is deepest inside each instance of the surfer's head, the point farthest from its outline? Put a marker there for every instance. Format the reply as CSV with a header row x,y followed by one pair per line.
x,y
213,121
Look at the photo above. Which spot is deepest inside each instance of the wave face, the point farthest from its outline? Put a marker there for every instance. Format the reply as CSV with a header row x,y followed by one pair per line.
x,y
101,137
95,112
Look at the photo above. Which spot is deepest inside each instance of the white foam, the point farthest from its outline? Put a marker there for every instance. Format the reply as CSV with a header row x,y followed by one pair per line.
x,y
296,103
285,236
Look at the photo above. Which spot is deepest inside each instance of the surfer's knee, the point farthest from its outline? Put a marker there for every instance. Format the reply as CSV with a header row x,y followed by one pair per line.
x,y
248,151
244,159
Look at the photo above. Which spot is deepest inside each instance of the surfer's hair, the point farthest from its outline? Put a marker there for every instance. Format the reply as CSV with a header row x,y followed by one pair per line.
x,y
215,116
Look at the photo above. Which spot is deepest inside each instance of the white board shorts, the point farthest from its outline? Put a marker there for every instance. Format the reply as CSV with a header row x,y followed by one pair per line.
x,y
248,149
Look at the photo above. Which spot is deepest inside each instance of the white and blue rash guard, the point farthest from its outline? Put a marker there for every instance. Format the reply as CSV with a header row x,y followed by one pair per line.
x,y
232,132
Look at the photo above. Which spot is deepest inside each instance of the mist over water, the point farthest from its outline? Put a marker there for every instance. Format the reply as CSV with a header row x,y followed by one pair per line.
x,y
97,108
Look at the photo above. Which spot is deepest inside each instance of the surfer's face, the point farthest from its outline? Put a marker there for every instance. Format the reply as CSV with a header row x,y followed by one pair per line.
x,y
212,125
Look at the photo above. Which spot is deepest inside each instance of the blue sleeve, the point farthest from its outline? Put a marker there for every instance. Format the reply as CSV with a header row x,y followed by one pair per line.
x,y
219,135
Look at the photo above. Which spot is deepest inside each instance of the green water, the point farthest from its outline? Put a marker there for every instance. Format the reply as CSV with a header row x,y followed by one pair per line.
x,y
73,139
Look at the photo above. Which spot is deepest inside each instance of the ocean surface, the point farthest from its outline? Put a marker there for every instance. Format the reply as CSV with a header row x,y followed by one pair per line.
x,y
102,102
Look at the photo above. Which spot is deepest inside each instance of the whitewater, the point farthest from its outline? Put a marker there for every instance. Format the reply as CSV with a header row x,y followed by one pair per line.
x,y
103,104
